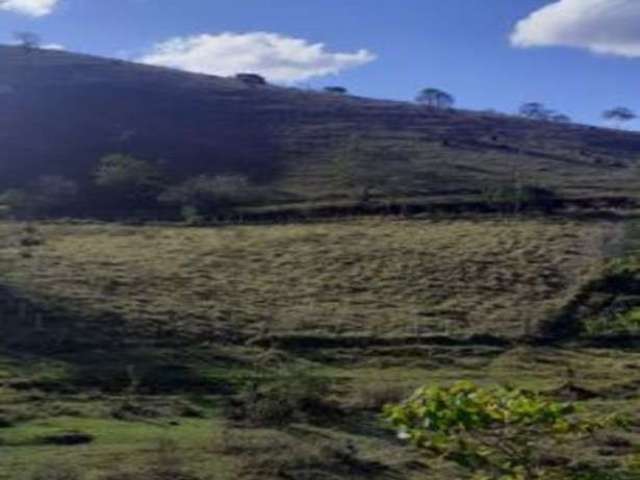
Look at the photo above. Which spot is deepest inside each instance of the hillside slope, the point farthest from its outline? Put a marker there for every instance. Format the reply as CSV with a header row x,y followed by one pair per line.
x,y
60,112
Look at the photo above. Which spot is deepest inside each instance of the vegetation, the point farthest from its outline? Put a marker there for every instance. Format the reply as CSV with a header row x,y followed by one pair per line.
x,y
129,178
27,40
49,195
336,90
209,195
251,79
538,111
434,97
376,277
500,433
267,351
619,115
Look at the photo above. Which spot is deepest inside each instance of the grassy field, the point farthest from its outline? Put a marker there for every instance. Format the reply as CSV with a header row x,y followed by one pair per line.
x,y
158,398
379,276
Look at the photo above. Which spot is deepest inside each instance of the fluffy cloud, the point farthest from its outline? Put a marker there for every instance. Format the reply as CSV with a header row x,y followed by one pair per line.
x,y
35,8
602,26
279,58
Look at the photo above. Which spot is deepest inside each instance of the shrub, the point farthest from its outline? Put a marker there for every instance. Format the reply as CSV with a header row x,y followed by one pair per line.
x,y
208,194
293,396
129,179
498,433
191,216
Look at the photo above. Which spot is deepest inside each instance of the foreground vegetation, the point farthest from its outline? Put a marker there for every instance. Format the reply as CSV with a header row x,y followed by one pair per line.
x,y
269,352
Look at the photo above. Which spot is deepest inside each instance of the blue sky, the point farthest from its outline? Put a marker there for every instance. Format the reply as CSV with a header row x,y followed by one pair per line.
x,y
574,63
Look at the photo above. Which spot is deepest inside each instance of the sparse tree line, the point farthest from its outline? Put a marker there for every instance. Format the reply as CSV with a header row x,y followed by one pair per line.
x,y
127,186
436,98
430,96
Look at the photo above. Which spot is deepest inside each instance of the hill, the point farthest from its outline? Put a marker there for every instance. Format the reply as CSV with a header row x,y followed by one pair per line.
x,y
60,112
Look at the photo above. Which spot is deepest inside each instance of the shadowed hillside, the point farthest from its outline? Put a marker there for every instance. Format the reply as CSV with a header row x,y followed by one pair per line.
x,y
61,112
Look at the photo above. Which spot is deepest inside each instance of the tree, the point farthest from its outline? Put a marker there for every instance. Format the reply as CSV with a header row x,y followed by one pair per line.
x,y
535,111
560,118
129,178
208,194
27,40
495,433
251,79
619,115
435,98
336,90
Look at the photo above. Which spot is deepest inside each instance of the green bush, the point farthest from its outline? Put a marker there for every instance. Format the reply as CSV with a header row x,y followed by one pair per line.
x,y
496,433
129,179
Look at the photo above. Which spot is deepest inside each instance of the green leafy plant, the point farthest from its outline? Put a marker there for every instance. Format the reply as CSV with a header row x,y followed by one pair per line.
x,y
495,433
129,178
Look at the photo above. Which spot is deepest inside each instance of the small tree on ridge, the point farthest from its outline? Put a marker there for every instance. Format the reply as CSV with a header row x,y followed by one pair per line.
x,y
436,98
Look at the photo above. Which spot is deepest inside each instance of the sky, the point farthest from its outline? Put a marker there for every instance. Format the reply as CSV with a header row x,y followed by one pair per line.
x,y
579,57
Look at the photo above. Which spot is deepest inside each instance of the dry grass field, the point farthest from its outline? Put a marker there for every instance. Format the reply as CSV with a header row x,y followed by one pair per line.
x,y
378,276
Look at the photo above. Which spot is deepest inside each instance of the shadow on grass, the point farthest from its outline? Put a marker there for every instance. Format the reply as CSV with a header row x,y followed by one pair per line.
x,y
102,353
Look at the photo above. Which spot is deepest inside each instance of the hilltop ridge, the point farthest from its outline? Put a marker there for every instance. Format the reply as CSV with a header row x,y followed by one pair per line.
x,y
60,112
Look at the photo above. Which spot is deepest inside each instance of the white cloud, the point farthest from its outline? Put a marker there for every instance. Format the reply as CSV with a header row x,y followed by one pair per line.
x,y
53,46
602,26
34,8
279,58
